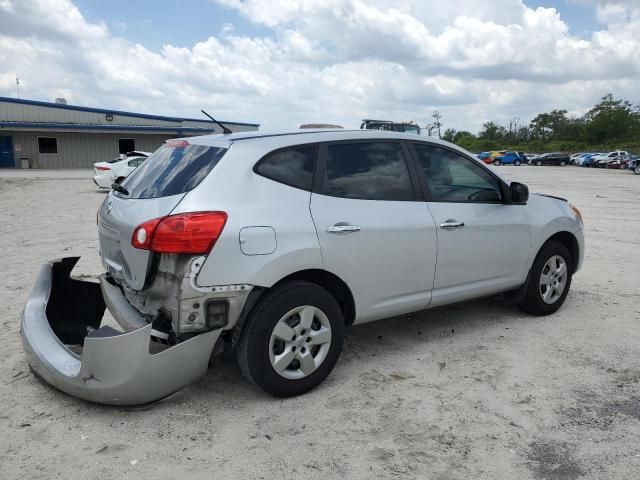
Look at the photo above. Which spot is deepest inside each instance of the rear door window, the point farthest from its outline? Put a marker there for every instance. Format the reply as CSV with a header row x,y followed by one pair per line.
x,y
368,171
174,168
291,166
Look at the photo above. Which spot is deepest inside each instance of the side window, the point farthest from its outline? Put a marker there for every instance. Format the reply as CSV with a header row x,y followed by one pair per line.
x,y
126,145
450,177
370,171
132,163
292,166
47,145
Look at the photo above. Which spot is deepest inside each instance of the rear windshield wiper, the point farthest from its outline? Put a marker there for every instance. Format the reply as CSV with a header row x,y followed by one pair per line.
x,y
119,188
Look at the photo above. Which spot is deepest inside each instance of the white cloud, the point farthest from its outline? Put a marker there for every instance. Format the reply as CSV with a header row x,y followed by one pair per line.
x,y
333,61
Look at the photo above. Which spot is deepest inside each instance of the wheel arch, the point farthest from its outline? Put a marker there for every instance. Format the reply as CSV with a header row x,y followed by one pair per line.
x,y
323,278
330,282
569,240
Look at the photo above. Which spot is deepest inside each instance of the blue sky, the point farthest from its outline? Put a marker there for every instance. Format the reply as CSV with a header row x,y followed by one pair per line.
x,y
180,23
186,22
581,19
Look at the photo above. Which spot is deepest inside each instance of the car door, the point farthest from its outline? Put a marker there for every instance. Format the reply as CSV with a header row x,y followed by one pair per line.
x,y
375,231
483,242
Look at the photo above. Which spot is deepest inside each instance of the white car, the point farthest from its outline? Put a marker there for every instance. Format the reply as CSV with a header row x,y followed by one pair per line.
x,y
116,170
271,244
575,158
601,161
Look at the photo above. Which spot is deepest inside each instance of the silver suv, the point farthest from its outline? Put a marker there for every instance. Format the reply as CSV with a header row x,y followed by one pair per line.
x,y
270,244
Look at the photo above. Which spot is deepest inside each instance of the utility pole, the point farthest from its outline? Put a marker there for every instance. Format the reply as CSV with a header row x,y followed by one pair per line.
x,y
18,87
437,123
513,124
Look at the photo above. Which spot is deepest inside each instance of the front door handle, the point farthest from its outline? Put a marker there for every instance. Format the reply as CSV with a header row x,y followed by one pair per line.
x,y
452,224
338,228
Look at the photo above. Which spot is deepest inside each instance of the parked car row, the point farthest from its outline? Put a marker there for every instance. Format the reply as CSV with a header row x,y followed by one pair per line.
x,y
617,159
506,157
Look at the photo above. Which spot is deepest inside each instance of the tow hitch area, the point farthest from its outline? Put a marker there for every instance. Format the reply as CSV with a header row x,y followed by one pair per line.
x,y
63,316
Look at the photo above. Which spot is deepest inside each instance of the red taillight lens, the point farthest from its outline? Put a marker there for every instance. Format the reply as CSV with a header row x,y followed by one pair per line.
x,y
103,168
194,233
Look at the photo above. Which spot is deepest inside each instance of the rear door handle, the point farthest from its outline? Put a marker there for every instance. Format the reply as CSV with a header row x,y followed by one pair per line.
x,y
343,228
452,224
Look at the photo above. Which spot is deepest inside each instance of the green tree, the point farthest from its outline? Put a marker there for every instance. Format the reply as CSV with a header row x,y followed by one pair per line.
x,y
449,135
611,121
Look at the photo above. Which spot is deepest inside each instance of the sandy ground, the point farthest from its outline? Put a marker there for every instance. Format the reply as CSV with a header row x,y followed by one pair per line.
x,y
477,390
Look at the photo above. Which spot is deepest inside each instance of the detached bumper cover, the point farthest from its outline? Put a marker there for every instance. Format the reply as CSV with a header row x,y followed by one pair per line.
x,y
115,368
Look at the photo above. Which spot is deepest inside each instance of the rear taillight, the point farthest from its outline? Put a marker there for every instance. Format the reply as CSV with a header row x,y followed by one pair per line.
x,y
103,168
194,233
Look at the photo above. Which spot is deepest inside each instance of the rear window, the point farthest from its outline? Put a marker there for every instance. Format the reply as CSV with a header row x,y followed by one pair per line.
x,y
173,169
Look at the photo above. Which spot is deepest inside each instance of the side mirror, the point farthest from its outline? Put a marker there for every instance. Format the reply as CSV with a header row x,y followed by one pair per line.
x,y
519,192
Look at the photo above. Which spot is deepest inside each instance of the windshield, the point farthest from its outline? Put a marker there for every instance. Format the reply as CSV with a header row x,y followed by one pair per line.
x,y
412,129
175,168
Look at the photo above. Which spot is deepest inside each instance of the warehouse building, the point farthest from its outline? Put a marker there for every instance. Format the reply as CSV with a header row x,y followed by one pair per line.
x,y
37,134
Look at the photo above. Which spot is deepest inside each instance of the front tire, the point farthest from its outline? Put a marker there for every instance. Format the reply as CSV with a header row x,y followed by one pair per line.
x,y
497,163
549,280
636,169
517,163
291,339
538,163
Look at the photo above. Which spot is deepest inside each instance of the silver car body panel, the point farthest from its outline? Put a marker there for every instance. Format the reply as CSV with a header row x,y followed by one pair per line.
x,y
259,202
117,219
488,255
114,370
389,262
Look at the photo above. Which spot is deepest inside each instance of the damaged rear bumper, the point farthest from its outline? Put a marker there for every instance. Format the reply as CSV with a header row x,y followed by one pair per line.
x,y
114,368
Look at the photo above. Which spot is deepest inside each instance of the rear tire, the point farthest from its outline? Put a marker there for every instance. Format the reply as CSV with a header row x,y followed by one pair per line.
x,y
517,163
119,180
497,163
563,163
636,169
538,163
285,367
549,280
